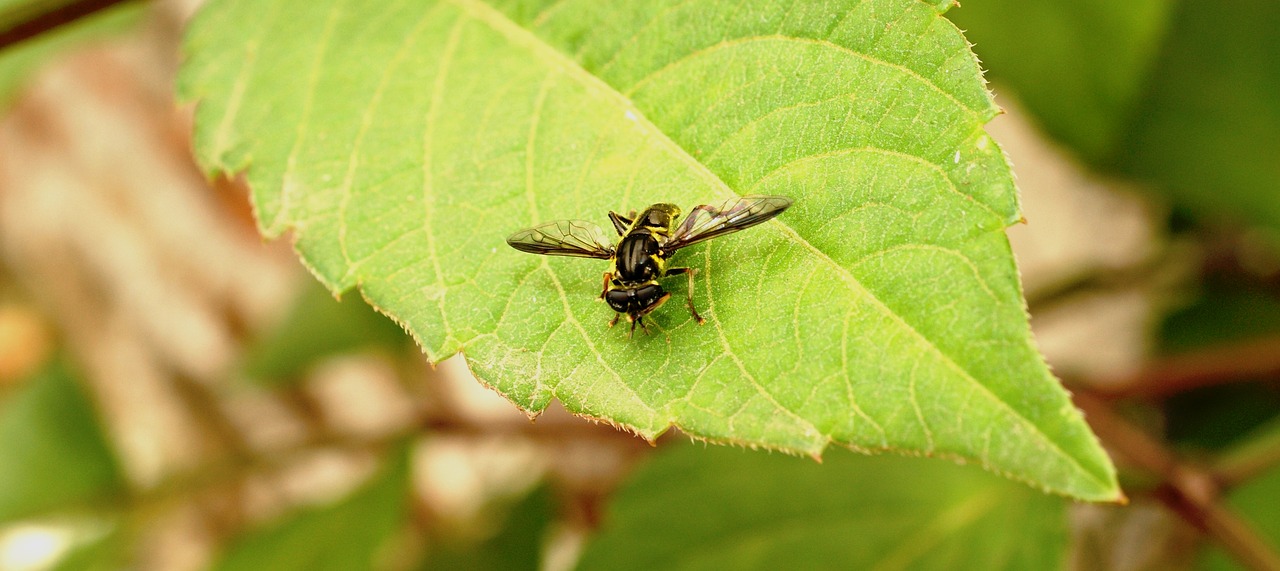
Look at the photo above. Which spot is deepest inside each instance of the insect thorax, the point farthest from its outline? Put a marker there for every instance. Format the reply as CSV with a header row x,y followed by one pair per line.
x,y
658,218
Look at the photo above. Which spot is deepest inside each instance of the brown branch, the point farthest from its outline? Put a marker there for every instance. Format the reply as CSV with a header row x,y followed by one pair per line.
x,y
205,407
1185,489
1251,360
52,18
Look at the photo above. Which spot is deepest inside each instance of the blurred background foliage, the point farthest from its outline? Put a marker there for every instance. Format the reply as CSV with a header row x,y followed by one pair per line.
x,y
175,394
1180,96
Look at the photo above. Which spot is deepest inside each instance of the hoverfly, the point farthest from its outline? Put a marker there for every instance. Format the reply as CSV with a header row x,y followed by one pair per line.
x,y
639,258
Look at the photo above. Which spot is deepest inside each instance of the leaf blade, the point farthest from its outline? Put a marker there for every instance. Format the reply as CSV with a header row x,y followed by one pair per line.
x,y
56,454
749,511
519,115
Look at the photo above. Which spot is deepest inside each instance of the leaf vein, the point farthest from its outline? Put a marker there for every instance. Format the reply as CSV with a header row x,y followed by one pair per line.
x,y
848,383
951,185
428,165
600,360
746,40
366,120
724,341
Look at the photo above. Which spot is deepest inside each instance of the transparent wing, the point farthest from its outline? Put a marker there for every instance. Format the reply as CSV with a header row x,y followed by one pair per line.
x,y
577,238
709,221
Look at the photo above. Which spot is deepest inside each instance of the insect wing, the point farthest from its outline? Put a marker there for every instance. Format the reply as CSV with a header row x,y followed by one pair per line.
x,y
577,238
707,221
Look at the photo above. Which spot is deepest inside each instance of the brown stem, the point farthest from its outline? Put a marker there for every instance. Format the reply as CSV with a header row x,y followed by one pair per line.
x,y
205,407
54,16
1185,489
1259,358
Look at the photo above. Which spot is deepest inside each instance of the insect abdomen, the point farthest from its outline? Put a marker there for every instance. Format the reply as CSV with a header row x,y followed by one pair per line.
x,y
635,258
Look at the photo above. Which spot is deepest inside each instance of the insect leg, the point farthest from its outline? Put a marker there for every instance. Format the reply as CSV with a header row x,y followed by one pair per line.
x,y
614,321
640,316
689,300
604,288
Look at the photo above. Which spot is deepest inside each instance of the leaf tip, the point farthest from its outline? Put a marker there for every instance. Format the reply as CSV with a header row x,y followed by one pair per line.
x,y
1120,499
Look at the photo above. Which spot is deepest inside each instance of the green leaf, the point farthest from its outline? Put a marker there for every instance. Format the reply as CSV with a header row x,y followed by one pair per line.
x,y
317,326
1181,95
1254,449
1209,130
1224,311
17,62
345,536
109,552
727,509
516,547
882,311
55,456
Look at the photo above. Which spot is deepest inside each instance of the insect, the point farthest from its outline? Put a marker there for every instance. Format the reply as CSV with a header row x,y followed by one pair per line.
x,y
646,242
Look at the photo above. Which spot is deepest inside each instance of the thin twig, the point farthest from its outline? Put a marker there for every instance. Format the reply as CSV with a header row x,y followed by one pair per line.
x,y
55,16
1186,489
1247,361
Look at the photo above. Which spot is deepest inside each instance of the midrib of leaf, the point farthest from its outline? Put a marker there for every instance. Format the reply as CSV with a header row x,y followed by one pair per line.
x,y
521,37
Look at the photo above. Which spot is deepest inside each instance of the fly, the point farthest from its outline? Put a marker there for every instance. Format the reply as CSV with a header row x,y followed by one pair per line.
x,y
645,244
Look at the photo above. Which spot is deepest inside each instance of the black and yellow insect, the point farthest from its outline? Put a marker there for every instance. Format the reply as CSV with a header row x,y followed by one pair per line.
x,y
647,241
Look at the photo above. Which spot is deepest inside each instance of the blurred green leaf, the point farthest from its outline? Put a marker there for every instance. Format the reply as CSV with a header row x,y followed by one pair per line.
x,y
1223,311
107,553
516,547
1208,130
53,454
1182,95
1213,417
403,145
1259,447
318,326
1079,66
17,62
691,508
346,536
